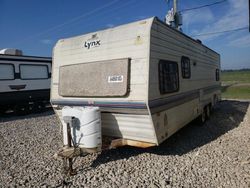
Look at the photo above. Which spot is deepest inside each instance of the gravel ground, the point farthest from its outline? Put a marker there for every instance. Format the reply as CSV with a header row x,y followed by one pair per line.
x,y
214,155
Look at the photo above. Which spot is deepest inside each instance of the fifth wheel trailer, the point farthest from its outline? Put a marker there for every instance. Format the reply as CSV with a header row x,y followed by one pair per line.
x,y
24,81
148,80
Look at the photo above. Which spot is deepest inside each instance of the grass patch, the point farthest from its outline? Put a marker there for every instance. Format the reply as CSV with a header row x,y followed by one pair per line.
x,y
236,92
236,84
236,77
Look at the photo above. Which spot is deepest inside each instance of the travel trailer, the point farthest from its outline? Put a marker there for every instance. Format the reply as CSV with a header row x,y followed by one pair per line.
x,y
24,81
145,79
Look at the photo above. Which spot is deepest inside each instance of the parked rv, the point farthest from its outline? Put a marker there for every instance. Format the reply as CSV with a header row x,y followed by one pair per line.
x,y
24,81
148,80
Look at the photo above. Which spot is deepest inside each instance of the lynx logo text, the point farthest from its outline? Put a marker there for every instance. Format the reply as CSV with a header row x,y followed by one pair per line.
x,y
92,44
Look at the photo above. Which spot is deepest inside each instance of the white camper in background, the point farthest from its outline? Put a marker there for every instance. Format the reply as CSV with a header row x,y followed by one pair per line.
x,y
24,81
148,79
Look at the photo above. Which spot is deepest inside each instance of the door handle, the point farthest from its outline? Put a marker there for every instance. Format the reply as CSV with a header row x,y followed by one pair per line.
x,y
17,87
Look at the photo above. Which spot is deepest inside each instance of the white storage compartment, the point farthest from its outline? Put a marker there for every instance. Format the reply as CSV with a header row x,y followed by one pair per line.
x,y
86,127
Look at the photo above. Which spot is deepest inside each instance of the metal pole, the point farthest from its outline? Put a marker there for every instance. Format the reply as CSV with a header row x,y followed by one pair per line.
x,y
249,14
175,6
70,160
175,14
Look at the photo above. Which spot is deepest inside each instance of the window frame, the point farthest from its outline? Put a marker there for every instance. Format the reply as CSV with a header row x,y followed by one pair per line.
x,y
183,68
217,74
13,71
48,77
162,61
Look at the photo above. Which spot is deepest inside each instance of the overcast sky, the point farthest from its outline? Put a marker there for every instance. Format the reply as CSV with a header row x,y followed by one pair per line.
x,y
34,26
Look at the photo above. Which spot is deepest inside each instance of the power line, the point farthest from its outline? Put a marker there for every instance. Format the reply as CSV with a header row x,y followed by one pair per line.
x,y
68,22
249,14
112,10
203,6
219,32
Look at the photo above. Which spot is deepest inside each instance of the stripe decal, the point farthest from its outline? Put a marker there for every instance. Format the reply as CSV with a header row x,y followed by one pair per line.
x,y
135,105
211,89
155,106
116,107
166,103
172,101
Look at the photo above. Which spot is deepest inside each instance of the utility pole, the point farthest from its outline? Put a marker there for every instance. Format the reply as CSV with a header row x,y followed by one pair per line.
x,y
175,14
173,17
175,6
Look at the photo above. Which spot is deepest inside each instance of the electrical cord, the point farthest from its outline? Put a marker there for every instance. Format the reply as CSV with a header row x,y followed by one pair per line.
x,y
219,32
203,6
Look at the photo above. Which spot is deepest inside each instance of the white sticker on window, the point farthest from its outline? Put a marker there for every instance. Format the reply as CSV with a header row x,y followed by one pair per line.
x,y
115,79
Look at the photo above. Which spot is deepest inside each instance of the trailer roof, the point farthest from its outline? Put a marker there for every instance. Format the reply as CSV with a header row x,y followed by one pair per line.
x,y
147,19
175,30
25,58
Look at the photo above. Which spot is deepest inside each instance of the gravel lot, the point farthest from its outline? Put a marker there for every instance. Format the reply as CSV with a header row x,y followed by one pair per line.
x,y
214,155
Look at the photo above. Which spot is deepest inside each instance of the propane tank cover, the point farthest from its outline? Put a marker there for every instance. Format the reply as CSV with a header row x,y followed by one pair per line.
x,y
86,132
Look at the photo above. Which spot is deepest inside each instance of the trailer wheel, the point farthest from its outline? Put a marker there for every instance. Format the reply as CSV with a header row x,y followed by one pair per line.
x,y
215,99
208,111
202,117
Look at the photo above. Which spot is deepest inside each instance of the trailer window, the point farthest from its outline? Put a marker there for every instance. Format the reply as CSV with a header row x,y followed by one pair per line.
x,y
168,76
7,72
33,72
217,74
108,78
185,67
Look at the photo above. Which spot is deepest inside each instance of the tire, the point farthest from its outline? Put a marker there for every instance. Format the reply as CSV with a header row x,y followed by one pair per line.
x,y
208,111
215,99
202,117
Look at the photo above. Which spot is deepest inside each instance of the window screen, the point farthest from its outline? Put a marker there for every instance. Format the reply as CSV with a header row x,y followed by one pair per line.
x,y
31,72
7,72
185,67
217,74
168,76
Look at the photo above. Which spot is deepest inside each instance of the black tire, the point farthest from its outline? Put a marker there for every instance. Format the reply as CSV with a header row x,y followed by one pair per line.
x,y
208,111
202,118
215,99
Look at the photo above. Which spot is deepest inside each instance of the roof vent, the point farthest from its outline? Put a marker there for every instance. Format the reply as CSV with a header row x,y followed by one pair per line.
x,y
199,41
11,51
